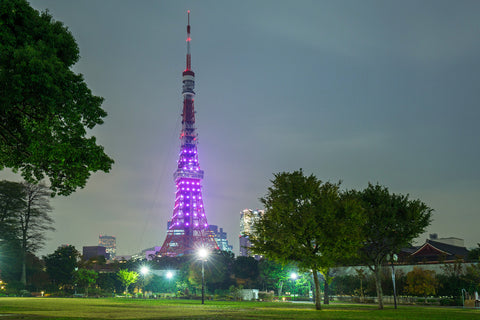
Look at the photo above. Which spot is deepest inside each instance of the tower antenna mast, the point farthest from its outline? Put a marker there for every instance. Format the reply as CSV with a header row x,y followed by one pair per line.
x,y
189,57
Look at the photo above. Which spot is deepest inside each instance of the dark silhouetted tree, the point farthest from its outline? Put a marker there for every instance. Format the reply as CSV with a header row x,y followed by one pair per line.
x,y
24,219
61,265
34,220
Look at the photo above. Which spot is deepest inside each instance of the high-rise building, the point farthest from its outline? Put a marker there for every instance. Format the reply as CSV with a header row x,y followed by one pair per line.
x,y
188,228
248,217
221,238
110,243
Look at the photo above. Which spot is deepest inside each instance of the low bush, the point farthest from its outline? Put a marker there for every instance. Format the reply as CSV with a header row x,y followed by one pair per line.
x,y
450,302
265,296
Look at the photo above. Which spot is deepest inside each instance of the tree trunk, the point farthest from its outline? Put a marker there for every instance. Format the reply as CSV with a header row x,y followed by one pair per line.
x,y
23,277
280,287
326,300
318,305
378,284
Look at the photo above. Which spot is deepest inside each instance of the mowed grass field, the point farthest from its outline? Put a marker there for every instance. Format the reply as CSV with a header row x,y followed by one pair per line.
x,y
65,308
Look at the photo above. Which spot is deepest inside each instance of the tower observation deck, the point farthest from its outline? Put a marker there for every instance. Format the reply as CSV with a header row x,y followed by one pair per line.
x,y
188,228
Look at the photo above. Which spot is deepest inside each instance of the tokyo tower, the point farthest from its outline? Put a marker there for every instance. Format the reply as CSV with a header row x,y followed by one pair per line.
x,y
188,229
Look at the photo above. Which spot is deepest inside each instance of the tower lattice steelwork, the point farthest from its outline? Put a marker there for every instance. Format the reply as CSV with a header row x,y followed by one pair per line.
x,y
188,229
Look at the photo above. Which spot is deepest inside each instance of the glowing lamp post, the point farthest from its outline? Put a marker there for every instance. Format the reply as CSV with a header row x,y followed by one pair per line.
x,y
169,276
144,271
294,277
393,258
203,255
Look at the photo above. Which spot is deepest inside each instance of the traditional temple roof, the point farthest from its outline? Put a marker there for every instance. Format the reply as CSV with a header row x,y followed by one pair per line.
x,y
435,251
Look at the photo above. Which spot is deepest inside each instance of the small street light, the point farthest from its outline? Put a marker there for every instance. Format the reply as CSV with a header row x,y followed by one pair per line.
x,y
294,277
169,276
144,270
393,258
203,255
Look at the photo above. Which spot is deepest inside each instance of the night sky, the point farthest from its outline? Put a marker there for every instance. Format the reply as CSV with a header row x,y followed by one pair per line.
x,y
358,91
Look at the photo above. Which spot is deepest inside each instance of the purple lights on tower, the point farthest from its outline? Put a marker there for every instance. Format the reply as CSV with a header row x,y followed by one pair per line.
x,y
188,228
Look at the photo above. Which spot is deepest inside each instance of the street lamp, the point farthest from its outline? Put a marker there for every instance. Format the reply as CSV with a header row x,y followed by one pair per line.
x,y
394,258
203,255
294,277
144,270
75,278
169,276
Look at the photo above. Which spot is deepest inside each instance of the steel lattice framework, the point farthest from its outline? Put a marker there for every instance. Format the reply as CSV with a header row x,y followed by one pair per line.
x,y
188,229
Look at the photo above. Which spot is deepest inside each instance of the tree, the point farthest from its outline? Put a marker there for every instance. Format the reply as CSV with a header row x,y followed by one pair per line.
x,y
61,265
393,221
452,279
24,218
127,277
85,278
34,221
274,275
307,222
474,254
11,202
328,276
45,108
246,271
472,277
421,282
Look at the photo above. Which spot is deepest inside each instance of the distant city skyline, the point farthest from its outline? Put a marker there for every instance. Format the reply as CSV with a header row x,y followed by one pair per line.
x,y
357,91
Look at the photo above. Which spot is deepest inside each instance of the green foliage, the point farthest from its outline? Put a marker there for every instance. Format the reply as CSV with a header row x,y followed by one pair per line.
x,y
127,277
307,222
474,254
458,276
421,282
45,108
393,221
12,200
61,265
274,275
109,283
85,278
472,277
246,271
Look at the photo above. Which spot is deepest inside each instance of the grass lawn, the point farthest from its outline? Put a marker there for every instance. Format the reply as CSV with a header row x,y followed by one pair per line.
x,y
67,308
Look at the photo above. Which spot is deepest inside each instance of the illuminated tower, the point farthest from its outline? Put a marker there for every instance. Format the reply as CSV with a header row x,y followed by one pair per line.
x,y
188,228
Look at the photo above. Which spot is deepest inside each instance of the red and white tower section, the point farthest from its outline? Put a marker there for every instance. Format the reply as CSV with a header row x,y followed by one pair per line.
x,y
188,228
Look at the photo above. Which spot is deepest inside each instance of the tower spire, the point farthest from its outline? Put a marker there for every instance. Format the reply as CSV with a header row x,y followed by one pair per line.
x,y
189,57
188,228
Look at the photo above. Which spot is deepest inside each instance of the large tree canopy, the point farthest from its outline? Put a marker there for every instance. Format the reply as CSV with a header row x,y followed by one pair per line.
x,y
393,221
45,108
307,222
